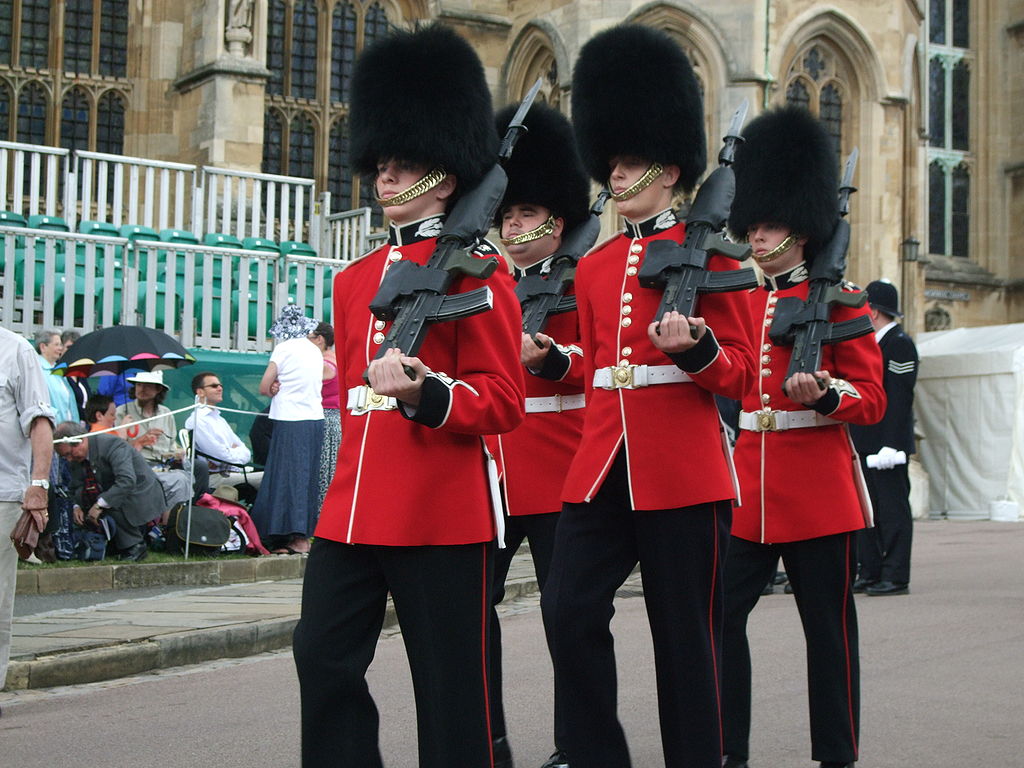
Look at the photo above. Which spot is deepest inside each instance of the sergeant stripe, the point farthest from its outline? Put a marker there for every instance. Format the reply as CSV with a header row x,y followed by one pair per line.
x,y
906,367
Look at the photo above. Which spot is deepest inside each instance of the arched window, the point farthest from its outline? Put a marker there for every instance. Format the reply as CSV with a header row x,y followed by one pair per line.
x,y
301,147
110,123
303,58
960,215
936,207
315,88
273,141
32,103
74,120
89,41
817,82
343,50
35,34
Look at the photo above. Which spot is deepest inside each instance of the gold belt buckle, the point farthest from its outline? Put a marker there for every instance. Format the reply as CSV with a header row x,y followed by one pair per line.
x,y
622,376
373,400
766,421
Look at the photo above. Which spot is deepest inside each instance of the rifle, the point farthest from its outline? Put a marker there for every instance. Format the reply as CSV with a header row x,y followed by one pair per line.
x,y
681,270
541,297
805,325
415,296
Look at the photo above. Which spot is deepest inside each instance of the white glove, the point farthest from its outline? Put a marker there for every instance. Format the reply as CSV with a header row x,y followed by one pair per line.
x,y
887,458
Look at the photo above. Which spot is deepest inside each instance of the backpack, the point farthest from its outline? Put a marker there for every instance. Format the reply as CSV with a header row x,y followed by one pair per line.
x,y
210,530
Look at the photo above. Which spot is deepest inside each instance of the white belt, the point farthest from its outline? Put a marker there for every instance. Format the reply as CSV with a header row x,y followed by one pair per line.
x,y
363,399
555,403
777,421
636,376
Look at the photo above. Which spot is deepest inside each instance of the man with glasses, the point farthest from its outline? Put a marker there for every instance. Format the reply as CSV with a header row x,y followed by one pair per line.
x,y
214,438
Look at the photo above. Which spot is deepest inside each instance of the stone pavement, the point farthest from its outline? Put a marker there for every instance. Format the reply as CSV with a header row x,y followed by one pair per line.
x,y
116,639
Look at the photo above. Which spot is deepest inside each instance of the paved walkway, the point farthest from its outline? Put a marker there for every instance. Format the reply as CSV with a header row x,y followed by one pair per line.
x,y
126,637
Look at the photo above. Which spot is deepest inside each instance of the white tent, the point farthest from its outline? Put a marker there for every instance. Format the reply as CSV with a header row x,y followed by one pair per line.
x,y
969,404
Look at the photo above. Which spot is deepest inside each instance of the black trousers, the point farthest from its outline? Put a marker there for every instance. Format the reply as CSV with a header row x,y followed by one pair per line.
x,y
681,554
821,571
441,599
884,551
540,530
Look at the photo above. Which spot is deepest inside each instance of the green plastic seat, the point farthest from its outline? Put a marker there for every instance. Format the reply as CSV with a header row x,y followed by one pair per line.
x,y
12,219
297,248
56,223
104,228
222,240
261,244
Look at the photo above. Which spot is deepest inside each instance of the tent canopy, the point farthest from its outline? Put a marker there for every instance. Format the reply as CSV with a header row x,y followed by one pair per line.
x,y
969,405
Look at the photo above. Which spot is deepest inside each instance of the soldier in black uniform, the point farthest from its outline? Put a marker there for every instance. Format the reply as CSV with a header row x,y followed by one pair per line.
x,y
885,449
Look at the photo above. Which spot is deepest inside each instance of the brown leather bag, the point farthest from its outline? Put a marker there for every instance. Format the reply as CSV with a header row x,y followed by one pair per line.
x,y
26,532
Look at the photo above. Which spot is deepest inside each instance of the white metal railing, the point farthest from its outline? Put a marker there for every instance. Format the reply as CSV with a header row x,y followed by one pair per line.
x,y
348,233
253,204
208,296
41,169
129,190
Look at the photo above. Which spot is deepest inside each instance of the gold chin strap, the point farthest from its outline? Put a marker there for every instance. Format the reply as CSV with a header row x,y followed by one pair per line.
x,y
425,184
777,251
534,234
640,185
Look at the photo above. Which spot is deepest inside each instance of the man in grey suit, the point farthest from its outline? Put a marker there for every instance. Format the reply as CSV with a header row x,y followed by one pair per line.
x,y
128,490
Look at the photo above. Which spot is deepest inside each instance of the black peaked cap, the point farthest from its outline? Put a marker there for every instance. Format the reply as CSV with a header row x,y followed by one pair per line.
x,y
422,97
545,167
635,93
787,173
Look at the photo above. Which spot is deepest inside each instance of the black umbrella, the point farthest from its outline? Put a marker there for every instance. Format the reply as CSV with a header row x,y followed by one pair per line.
x,y
121,348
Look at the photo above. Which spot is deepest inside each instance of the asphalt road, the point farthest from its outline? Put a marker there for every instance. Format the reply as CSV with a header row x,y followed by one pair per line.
x,y
943,675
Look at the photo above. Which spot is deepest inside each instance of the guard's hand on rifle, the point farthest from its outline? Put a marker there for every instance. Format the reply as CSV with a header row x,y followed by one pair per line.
x,y
676,333
807,389
388,376
533,351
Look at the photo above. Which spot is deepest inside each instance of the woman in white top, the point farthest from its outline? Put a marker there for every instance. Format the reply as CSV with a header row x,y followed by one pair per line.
x,y
286,506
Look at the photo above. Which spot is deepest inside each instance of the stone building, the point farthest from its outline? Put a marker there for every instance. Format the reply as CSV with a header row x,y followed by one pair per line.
x,y
928,92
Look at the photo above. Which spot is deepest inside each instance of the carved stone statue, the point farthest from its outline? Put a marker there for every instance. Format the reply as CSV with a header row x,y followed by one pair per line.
x,y
238,32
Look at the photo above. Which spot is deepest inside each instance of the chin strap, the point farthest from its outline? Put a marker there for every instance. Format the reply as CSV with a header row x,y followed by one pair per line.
x,y
534,234
425,184
640,184
777,251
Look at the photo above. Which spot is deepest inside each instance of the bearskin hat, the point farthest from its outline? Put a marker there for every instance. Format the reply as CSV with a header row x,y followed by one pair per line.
x,y
634,93
421,97
787,173
545,167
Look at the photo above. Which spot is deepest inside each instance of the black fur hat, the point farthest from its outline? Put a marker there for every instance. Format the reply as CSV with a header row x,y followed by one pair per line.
x,y
787,173
421,97
545,168
634,93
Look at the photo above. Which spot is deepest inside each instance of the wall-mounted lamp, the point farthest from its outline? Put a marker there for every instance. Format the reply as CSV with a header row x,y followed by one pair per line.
x,y
910,249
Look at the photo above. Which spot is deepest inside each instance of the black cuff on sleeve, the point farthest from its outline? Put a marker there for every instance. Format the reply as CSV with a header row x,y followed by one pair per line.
x,y
435,403
699,356
555,365
828,403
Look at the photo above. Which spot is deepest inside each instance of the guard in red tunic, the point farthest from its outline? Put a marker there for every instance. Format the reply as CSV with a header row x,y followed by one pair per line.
x,y
410,508
651,481
546,198
802,489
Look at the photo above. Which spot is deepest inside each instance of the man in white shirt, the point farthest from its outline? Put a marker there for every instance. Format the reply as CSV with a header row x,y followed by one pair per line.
x,y
214,438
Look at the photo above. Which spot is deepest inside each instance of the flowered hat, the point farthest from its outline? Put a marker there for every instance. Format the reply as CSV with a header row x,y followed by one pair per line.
x,y
292,323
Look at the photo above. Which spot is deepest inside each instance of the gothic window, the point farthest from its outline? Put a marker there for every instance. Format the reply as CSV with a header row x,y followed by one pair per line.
x,y
301,147
273,140
303,74
110,123
89,44
78,36
35,34
5,112
74,120
343,50
308,91
32,110
950,61
817,81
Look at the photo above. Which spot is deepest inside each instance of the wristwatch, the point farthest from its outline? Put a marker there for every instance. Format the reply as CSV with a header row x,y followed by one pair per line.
x,y
44,484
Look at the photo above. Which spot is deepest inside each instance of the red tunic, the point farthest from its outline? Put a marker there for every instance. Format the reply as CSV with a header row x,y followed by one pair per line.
x,y
810,476
537,455
671,432
406,483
